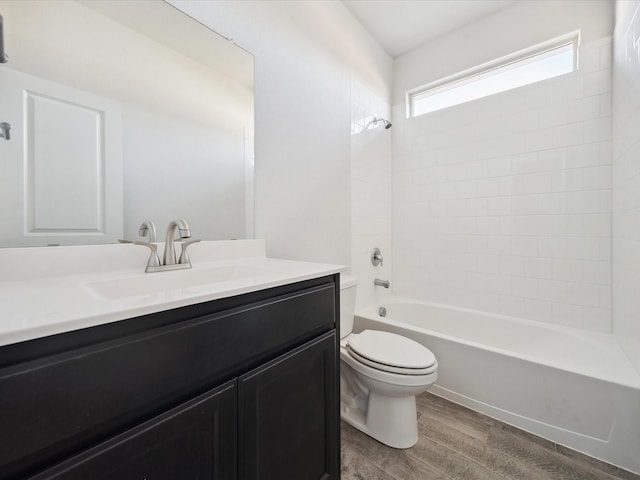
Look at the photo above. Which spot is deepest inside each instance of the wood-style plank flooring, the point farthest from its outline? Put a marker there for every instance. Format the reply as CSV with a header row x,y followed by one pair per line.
x,y
456,443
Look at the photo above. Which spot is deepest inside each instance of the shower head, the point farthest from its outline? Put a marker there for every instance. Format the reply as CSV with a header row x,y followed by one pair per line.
x,y
387,123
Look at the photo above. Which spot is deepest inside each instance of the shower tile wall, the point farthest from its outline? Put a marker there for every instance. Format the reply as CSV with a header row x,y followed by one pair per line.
x,y
626,177
504,204
370,193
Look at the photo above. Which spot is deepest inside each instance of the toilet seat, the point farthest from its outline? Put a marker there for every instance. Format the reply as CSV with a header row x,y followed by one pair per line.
x,y
391,353
392,369
396,379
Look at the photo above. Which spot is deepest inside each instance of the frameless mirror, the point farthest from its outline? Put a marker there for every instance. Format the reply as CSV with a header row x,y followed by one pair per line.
x,y
120,113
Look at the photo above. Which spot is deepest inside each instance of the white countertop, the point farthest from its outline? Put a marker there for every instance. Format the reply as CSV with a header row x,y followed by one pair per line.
x,y
50,304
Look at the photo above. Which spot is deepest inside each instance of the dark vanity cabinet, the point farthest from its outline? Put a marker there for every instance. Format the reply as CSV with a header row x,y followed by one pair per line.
x,y
287,416
239,388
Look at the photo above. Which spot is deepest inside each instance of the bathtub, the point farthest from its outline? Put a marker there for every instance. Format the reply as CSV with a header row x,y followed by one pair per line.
x,y
574,387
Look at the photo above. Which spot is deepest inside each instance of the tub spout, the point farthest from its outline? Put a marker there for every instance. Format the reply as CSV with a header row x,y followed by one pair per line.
x,y
381,283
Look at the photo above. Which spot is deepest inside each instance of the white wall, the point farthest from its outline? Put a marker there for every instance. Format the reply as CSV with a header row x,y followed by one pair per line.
x,y
503,204
370,192
626,176
176,168
305,56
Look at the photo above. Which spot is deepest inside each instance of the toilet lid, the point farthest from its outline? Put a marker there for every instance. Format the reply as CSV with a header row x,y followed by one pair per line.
x,y
390,349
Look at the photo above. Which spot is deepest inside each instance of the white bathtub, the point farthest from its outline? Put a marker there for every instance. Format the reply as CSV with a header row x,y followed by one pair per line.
x,y
571,386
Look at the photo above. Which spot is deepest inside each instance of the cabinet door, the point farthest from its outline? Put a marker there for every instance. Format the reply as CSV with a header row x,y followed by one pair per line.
x,y
288,424
195,441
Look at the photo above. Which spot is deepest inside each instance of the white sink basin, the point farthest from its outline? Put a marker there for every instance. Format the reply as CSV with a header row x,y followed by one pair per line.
x,y
154,283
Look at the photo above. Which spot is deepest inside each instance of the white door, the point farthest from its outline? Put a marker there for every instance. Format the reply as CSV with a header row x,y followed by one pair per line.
x,y
61,171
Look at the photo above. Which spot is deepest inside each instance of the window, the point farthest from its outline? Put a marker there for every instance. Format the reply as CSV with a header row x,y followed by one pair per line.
x,y
547,60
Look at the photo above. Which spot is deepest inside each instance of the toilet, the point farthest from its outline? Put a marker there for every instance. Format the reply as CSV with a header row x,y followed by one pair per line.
x,y
380,375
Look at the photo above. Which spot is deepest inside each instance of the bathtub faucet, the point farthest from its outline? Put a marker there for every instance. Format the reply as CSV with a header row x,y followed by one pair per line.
x,y
381,283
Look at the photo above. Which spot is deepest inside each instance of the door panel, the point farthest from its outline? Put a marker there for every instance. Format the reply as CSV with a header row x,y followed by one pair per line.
x,y
61,171
196,441
288,416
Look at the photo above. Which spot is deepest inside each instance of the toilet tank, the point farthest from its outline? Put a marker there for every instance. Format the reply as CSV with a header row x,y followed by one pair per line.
x,y
348,284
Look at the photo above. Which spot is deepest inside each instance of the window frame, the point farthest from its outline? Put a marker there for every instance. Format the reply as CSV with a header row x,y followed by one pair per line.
x,y
485,70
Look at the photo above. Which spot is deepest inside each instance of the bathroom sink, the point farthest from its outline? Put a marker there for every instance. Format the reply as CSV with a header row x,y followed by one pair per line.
x,y
154,283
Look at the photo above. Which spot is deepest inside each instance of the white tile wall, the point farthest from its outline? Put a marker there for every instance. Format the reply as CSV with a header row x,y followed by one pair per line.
x,y
504,204
626,176
370,193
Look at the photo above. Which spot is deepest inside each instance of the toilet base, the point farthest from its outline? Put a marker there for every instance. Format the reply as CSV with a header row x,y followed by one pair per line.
x,y
390,420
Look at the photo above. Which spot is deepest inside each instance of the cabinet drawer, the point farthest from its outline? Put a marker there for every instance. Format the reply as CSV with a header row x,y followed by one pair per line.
x,y
194,440
62,403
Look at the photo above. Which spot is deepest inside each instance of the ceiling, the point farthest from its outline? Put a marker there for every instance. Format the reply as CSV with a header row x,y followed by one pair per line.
x,y
402,25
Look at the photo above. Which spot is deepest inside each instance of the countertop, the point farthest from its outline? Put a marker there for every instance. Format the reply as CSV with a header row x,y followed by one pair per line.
x,y
50,304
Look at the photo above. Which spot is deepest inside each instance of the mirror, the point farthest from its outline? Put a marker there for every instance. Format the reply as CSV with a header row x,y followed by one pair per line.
x,y
120,113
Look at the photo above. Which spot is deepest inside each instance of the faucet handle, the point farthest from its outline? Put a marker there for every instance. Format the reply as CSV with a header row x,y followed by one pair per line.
x,y
184,256
376,257
154,259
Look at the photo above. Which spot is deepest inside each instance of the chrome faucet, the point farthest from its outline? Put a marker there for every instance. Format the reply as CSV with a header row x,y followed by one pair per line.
x,y
381,283
5,130
169,258
148,228
179,224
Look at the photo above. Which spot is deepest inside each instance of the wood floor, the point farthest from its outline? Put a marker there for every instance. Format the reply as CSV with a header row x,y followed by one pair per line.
x,y
456,443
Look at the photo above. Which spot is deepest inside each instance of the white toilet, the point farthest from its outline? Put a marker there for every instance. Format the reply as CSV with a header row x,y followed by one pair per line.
x,y
380,375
